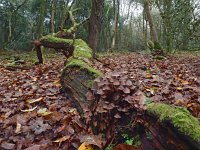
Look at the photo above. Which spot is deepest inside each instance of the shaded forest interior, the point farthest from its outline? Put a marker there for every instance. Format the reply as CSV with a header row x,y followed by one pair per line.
x,y
100,74
124,23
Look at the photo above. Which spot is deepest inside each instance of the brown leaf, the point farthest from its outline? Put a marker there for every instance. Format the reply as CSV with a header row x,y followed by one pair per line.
x,y
91,139
34,147
117,116
38,126
116,82
7,146
115,74
126,90
125,147
89,95
60,129
129,83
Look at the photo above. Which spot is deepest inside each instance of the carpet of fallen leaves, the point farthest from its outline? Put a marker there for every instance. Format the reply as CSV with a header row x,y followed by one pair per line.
x,y
174,80
35,114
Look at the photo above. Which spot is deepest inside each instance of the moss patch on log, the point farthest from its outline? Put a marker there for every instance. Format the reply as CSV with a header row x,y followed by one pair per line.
x,y
72,29
82,54
75,62
179,117
82,49
53,39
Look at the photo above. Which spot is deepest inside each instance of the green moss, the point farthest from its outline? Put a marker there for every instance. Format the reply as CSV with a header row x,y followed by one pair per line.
x,y
159,57
83,65
82,52
82,49
89,83
179,117
53,39
157,45
72,29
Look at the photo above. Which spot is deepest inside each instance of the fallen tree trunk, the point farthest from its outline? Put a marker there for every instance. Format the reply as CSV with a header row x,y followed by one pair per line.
x,y
78,76
61,41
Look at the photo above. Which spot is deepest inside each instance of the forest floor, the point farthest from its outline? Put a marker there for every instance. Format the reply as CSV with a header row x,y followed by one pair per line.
x,y
35,114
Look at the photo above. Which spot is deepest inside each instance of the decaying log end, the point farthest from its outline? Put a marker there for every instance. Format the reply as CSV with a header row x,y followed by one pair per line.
x,y
179,118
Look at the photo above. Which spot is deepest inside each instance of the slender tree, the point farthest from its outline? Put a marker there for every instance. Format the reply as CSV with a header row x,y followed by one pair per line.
x,y
95,24
53,9
40,26
116,12
150,20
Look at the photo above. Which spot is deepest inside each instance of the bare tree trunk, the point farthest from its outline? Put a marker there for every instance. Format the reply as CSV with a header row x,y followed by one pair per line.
x,y
95,24
40,26
150,20
116,7
144,22
10,28
53,8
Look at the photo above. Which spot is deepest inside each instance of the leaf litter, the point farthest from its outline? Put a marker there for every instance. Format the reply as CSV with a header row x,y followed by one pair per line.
x,y
35,114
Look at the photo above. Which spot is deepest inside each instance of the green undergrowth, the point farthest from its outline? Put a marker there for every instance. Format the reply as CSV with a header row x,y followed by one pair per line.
x,y
7,57
179,117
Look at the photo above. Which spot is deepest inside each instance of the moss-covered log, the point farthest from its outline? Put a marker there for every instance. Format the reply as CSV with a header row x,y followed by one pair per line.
x,y
78,76
179,120
62,41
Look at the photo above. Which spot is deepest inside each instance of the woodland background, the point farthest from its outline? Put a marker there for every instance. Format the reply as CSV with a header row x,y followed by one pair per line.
x,y
124,23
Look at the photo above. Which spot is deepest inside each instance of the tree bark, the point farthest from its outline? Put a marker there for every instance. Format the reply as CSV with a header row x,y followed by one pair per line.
x,y
95,24
53,8
40,26
40,20
150,20
116,7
